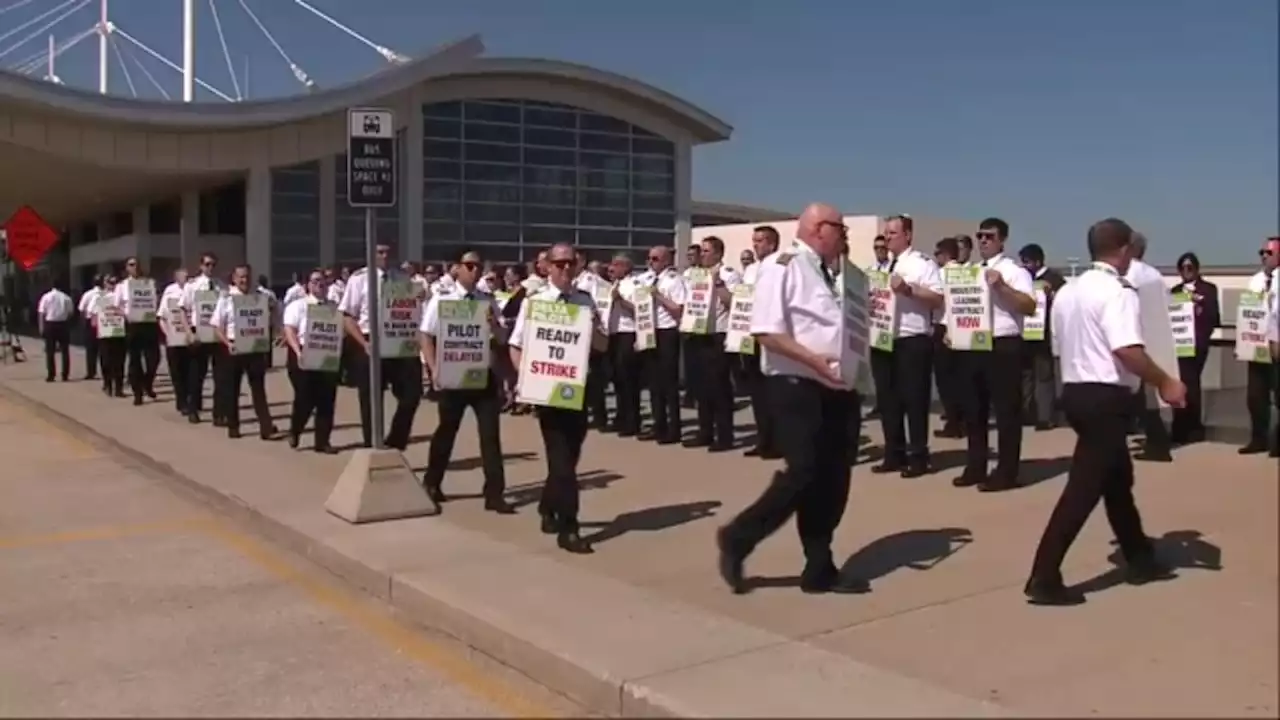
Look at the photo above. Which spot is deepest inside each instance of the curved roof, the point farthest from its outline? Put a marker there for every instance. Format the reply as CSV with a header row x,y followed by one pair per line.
x,y
458,59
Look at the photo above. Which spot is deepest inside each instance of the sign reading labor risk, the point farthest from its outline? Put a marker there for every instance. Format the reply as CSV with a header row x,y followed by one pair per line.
x,y
883,310
968,299
553,363
322,349
251,317
738,339
696,318
462,345
401,313
1251,328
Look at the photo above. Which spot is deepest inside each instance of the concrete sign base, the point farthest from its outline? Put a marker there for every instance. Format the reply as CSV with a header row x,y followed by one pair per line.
x,y
379,485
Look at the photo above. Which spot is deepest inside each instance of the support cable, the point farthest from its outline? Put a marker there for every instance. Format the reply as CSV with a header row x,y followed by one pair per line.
x,y
147,73
128,78
226,54
167,62
15,6
387,54
298,72
40,60
77,6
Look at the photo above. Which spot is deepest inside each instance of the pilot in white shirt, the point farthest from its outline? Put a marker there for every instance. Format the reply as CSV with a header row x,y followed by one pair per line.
x,y
1262,385
53,313
624,362
1097,320
709,362
797,321
903,377
296,291
241,366
990,381
662,362
202,355
177,350
764,242
88,302
314,391
142,333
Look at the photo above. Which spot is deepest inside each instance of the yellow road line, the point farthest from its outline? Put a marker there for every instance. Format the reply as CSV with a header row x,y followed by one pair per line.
x,y
79,448
406,640
108,532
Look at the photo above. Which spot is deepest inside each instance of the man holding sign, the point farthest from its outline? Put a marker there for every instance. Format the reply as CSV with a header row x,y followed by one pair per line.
x,y
550,344
313,334
458,327
136,296
991,372
242,321
177,338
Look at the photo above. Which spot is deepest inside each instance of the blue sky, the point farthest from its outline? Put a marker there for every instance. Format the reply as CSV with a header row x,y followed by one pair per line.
x,y
1050,115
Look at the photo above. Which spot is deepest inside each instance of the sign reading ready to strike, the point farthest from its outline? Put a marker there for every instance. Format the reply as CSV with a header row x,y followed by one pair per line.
x,y
553,364
462,345
252,323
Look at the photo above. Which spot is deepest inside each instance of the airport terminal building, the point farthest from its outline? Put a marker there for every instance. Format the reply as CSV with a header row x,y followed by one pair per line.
x,y
501,154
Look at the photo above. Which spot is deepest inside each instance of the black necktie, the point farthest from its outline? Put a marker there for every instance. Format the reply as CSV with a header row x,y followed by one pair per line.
x,y
893,264
1266,287
828,277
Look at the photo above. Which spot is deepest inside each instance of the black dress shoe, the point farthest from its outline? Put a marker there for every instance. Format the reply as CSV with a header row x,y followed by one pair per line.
x,y
293,440
1043,592
49,379
696,443
730,564
998,483
268,433
888,466
719,447
436,494
668,440
118,393
219,422
1150,570
916,468
499,506
968,480
151,394
828,580
1160,457
137,400
647,436
550,525
949,432
572,542
1253,448
325,449
1044,427
233,433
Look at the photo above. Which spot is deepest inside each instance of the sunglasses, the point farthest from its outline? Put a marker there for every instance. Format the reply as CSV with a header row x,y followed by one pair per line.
x,y
1187,266
986,236
654,258
1265,252
470,265
562,264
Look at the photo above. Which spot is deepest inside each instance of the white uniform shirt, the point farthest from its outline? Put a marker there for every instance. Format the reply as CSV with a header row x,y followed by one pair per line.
x,y
55,306
1094,316
792,298
172,291
200,283
575,297
1258,281
295,316
915,317
224,316
623,320
443,285
881,266
355,301
334,294
730,278
1141,274
672,285
533,284
1258,284
1005,320
296,291
752,271
88,301
430,322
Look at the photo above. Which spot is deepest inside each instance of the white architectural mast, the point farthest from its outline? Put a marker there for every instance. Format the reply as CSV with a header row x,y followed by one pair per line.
x,y
188,50
104,31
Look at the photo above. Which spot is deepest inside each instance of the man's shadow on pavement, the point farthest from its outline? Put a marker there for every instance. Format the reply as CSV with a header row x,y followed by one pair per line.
x,y
910,549
651,519
1179,549
530,493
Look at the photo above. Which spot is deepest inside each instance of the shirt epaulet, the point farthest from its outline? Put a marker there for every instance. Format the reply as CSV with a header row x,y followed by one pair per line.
x,y
785,257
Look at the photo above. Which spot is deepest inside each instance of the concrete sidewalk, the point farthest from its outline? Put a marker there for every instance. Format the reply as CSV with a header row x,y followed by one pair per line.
x,y
644,627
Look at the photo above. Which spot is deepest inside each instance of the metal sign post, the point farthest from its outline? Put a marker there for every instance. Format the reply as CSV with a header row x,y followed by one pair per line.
x,y
371,183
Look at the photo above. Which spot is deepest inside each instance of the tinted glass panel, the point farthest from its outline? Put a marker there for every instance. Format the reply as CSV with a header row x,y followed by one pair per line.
x,y
550,216
541,117
605,143
492,153
482,132
604,238
537,238
442,169
442,211
550,138
652,239
553,158
442,191
441,232
601,123
442,252
534,195
485,192
652,146
487,212
493,173
601,161
491,233
652,183
293,247
653,220
653,165
648,201
432,128
604,199
606,180
299,183
439,149
294,226
443,110
500,253
281,204
563,177
602,218
492,112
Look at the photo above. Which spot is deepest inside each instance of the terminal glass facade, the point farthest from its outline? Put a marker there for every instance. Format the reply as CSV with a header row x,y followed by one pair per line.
x,y
509,177
295,221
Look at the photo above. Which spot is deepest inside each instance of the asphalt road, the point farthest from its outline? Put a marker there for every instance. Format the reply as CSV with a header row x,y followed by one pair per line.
x,y
119,596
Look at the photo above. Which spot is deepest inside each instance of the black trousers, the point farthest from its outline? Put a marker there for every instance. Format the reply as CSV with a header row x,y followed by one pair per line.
x,y
946,372
663,363
1189,420
314,392
992,382
111,354
902,380
57,341
142,341
178,358
760,408
625,366
251,367
200,357
1261,390
1151,423
712,387
221,380
404,377
346,362
451,406
1101,469
90,350
1039,382
597,382
563,432
814,483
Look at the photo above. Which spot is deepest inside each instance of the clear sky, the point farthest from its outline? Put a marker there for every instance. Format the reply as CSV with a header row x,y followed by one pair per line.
x,y
1048,114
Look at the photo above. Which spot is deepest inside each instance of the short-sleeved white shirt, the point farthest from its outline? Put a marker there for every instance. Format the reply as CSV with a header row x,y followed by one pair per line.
x,y
730,278
335,291
55,306
172,291
200,283
792,298
549,292
1093,316
672,286
623,320
915,317
354,302
224,315
295,316
1005,320
430,322
88,299
1141,274
296,291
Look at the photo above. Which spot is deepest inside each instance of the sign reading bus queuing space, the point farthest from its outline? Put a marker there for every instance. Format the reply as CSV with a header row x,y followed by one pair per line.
x,y
28,238
371,158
